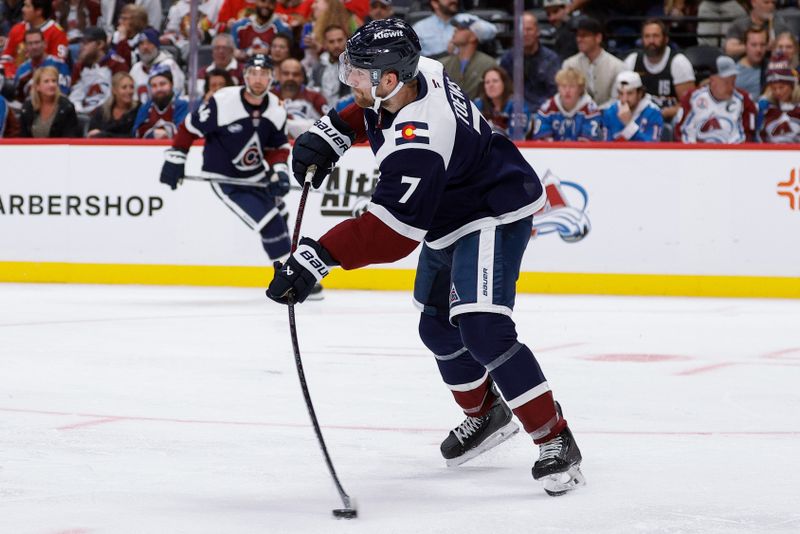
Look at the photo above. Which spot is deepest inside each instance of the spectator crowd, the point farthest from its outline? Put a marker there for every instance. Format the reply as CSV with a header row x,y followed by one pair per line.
x,y
692,71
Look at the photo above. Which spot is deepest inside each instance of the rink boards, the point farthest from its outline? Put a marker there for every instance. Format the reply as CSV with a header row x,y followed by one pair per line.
x,y
668,220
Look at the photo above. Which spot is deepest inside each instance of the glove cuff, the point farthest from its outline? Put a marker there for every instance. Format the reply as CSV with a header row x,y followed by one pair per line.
x,y
338,140
307,256
174,155
280,167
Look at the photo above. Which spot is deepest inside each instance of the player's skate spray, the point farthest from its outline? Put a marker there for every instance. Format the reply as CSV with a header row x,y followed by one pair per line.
x,y
559,216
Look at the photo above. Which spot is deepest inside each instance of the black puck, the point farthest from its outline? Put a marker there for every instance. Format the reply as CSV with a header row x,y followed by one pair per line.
x,y
345,513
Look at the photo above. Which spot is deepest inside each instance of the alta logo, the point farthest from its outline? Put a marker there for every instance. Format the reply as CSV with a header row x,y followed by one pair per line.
x,y
558,215
791,190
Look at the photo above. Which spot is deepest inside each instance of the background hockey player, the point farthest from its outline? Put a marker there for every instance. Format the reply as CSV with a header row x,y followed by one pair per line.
x,y
633,116
469,196
245,139
570,115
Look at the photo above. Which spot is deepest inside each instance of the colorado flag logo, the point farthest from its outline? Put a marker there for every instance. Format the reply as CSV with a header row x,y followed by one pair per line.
x,y
411,132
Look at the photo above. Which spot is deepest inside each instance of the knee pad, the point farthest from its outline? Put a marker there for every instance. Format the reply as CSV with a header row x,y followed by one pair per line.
x,y
487,335
438,334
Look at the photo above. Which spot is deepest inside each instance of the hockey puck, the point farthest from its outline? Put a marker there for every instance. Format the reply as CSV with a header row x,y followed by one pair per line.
x,y
345,513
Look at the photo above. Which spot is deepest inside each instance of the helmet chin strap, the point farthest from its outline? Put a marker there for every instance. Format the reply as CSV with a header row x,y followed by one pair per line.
x,y
376,105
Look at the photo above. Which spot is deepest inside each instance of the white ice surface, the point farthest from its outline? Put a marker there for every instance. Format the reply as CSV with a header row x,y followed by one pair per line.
x,y
172,410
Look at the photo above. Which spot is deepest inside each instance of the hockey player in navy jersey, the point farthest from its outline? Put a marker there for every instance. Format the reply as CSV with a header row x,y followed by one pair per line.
x,y
633,116
245,139
468,196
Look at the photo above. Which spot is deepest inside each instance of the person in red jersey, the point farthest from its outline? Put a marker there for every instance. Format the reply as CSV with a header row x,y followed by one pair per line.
x,y
36,14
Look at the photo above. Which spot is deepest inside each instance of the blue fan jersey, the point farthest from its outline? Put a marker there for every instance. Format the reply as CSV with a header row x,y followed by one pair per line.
x,y
443,173
582,123
235,140
646,123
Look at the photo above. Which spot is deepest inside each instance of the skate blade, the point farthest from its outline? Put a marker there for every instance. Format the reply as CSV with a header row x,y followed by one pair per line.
x,y
561,483
492,441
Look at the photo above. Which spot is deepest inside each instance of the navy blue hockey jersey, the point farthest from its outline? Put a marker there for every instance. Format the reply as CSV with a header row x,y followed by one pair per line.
x,y
443,173
236,139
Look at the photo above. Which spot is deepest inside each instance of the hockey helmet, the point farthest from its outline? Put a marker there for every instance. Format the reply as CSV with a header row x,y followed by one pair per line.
x,y
388,45
257,61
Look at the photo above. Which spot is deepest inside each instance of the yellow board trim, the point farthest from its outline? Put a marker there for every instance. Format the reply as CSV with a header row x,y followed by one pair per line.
x,y
403,279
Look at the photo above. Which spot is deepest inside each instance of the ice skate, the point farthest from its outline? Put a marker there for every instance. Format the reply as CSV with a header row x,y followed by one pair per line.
x,y
317,293
559,463
476,435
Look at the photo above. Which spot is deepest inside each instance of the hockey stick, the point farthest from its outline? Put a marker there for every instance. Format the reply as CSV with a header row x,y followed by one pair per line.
x,y
262,185
349,511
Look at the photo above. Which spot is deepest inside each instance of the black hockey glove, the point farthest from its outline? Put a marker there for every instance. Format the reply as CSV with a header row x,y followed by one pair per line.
x,y
304,268
322,145
279,183
173,169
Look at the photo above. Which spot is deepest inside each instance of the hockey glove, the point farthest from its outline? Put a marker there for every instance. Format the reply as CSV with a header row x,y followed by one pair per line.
x,y
304,268
322,145
279,183
173,169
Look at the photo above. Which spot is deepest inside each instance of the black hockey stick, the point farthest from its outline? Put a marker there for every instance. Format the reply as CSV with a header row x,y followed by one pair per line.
x,y
349,510
262,185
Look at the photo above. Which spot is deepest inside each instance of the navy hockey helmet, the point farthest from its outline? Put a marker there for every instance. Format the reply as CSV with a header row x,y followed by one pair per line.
x,y
388,45
258,61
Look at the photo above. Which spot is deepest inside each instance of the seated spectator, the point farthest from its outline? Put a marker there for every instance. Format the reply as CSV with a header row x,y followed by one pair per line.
x,y
176,31
222,58
92,77
47,113
115,117
540,64
9,125
36,15
762,15
571,115
111,12
380,10
325,74
231,11
666,75
254,34
786,45
216,79
598,66
132,22
151,57
752,66
359,8
34,50
303,105
435,31
326,13
164,111
280,49
294,13
779,108
633,116
714,9
495,104
560,36
75,16
466,65
717,112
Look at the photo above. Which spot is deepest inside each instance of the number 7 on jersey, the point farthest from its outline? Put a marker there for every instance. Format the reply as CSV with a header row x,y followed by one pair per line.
x,y
413,183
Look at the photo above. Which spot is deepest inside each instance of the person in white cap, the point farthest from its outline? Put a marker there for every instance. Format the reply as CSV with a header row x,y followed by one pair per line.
x,y
466,65
559,36
717,112
633,116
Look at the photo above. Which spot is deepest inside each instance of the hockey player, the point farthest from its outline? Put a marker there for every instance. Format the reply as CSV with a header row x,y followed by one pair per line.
x,y
244,131
633,116
468,195
570,115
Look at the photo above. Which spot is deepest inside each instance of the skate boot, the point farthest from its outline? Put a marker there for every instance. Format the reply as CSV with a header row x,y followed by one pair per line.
x,y
477,435
559,463
316,292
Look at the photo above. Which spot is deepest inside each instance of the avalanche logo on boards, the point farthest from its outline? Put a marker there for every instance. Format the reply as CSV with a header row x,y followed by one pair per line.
x,y
559,216
411,132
